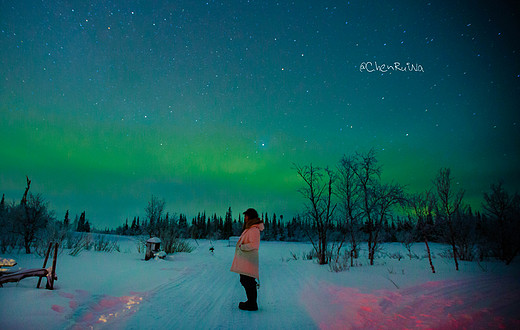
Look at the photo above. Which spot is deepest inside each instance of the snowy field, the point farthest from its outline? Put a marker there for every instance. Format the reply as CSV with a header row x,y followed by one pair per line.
x,y
120,290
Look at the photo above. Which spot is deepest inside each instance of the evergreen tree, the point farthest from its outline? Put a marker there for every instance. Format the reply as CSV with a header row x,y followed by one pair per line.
x,y
267,228
228,225
81,223
275,227
66,221
133,226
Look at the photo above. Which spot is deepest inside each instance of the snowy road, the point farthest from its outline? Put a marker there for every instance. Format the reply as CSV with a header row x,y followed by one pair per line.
x,y
205,295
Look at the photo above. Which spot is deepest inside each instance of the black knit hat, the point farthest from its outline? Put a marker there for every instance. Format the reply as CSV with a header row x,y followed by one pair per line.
x,y
251,214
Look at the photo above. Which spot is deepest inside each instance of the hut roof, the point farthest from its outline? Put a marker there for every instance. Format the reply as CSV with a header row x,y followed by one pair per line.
x,y
154,240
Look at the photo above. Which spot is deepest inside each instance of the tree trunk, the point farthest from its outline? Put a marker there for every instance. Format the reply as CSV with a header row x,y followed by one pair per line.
x,y
24,198
429,254
454,247
455,256
371,254
370,244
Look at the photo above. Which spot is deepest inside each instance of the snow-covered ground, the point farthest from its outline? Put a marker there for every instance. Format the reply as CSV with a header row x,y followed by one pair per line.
x,y
120,290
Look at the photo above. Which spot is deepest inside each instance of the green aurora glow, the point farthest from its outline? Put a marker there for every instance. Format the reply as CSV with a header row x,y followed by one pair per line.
x,y
210,105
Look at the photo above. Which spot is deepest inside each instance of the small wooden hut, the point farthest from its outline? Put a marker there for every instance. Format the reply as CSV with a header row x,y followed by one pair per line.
x,y
152,247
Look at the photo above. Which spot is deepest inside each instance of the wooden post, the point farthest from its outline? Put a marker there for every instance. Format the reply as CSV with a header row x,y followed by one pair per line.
x,y
45,263
53,270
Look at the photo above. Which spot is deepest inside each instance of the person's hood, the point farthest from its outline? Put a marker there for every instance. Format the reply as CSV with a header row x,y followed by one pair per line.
x,y
260,226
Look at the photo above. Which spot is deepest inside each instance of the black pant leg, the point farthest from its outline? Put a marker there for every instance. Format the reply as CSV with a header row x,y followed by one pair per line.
x,y
249,284
247,281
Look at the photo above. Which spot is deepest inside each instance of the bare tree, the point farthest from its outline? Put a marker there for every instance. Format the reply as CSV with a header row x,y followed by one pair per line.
x,y
30,217
367,173
348,193
385,198
24,197
422,206
504,211
448,203
377,199
318,192
154,212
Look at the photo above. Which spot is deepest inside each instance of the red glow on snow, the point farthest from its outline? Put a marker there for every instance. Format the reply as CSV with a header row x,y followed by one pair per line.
x,y
66,295
470,304
58,308
110,308
89,310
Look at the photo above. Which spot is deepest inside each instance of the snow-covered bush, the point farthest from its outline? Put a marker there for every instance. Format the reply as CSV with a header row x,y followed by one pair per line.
x,y
77,247
396,255
140,244
177,245
309,255
340,262
102,244
89,241
54,232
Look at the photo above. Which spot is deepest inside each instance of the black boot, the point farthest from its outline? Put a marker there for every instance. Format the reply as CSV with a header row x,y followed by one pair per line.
x,y
251,304
249,284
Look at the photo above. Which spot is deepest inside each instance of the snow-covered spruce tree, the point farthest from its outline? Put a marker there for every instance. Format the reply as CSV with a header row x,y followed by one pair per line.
x,y
448,204
319,209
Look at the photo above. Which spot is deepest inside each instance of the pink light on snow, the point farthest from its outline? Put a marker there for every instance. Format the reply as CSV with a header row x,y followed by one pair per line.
x,y
481,303
117,306
91,310
58,308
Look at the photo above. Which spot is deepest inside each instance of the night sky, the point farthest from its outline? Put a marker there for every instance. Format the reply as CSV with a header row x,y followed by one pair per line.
x,y
209,104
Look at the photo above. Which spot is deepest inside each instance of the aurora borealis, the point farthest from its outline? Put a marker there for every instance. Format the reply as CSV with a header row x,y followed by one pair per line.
x,y
208,104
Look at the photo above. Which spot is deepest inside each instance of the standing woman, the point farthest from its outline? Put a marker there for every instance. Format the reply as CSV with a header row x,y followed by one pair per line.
x,y
245,262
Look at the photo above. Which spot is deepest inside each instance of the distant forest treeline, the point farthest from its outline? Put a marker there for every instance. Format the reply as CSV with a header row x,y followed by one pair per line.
x,y
346,206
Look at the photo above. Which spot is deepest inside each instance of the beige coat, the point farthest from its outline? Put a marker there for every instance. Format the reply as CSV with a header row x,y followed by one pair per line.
x,y
246,252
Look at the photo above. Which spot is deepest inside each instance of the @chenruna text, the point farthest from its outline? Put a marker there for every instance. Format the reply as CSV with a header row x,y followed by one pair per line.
x,y
396,66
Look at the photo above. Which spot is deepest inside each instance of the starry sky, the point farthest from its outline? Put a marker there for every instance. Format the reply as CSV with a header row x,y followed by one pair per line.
x,y
208,104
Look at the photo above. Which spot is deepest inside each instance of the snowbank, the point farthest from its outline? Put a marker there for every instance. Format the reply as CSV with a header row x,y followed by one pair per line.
x,y
197,290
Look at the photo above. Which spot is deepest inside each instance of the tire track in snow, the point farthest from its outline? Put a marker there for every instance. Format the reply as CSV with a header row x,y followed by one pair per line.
x,y
199,297
207,294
